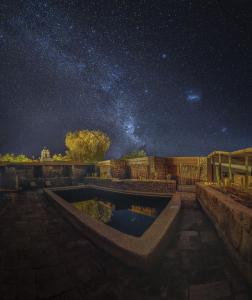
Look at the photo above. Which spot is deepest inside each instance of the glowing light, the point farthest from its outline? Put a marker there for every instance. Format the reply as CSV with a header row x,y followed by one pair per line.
x,y
224,129
193,96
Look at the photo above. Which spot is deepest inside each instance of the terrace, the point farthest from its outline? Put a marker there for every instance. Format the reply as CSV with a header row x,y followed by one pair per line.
x,y
50,250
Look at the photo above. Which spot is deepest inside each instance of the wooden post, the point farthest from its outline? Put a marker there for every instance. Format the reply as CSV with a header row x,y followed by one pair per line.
x,y
215,171
209,166
246,172
219,170
212,169
230,168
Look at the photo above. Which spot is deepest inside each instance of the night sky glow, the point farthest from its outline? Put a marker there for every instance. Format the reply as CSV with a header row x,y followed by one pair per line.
x,y
173,77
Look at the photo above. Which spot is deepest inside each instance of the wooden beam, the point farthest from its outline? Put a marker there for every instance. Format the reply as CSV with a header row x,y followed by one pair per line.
x,y
246,172
210,169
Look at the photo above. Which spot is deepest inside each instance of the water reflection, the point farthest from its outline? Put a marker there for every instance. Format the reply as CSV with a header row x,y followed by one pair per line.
x,y
147,211
130,218
131,214
96,209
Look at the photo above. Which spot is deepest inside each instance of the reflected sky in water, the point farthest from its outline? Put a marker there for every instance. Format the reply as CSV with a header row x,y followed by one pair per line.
x,y
129,214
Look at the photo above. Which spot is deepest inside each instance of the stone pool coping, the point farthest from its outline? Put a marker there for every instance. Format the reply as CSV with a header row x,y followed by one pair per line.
x,y
142,252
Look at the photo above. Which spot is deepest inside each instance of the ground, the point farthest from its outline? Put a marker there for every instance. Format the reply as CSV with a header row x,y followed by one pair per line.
x,y
43,257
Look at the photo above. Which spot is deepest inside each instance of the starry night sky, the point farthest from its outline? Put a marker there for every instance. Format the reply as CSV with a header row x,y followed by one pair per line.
x,y
174,77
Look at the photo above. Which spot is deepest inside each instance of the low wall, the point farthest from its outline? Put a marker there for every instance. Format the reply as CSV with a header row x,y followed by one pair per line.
x,y
27,175
233,222
159,186
25,184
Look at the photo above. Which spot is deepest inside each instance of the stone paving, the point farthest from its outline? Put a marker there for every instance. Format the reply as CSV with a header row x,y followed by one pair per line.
x,y
43,257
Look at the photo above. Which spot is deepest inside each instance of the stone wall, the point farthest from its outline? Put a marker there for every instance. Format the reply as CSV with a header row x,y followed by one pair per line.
x,y
52,171
233,222
8,178
158,168
187,170
150,167
80,171
143,168
15,176
115,168
118,168
24,171
104,168
158,186
138,168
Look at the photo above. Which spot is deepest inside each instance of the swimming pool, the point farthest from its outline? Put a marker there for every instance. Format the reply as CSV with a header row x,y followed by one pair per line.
x,y
128,213
133,226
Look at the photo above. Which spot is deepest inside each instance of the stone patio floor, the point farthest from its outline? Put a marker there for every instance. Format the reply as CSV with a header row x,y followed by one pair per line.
x,y
43,257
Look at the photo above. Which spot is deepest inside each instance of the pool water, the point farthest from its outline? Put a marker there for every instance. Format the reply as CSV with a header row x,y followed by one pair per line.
x,y
130,214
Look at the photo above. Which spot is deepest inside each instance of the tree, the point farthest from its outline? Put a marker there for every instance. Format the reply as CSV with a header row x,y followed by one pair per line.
x,y
60,157
12,158
87,145
135,154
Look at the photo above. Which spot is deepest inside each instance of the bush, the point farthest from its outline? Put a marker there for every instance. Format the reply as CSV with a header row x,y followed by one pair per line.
x,y
135,154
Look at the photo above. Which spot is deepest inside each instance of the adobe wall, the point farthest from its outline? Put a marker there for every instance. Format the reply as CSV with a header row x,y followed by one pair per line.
x,y
135,168
118,168
158,168
138,168
104,169
193,167
186,170
114,168
233,222
148,168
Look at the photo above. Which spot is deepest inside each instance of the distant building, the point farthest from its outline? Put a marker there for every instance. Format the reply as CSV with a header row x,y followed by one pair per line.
x,y
45,155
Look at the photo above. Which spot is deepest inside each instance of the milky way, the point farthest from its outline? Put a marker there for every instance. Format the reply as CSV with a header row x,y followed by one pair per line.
x,y
152,75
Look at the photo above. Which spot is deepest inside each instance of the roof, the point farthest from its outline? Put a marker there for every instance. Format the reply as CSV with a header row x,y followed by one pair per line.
x,y
241,152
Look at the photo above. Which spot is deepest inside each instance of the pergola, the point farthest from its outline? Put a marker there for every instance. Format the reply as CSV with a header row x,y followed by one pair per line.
x,y
237,162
